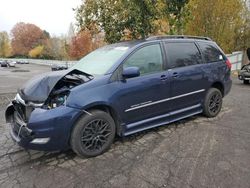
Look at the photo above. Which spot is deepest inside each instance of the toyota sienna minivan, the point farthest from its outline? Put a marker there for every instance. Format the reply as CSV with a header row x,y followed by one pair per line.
x,y
120,89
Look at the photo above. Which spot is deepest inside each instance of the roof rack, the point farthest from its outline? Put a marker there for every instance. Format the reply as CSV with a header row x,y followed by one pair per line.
x,y
177,37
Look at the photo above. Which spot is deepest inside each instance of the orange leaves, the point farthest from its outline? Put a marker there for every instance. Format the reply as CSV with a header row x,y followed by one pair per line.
x,y
25,37
80,45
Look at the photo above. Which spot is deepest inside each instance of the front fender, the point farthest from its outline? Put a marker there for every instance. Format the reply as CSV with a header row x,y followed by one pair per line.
x,y
85,98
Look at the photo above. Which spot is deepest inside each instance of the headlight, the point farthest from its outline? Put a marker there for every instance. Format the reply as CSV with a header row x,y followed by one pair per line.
x,y
57,101
57,97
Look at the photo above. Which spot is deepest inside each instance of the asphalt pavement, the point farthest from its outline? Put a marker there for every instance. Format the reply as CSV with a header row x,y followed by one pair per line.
x,y
196,152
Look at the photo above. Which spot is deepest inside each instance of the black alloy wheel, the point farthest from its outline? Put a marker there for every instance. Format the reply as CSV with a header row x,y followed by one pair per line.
x,y
93,134
212,103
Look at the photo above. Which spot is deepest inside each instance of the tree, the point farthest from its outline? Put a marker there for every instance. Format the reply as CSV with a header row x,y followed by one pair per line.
x,y
71,32
56,48
225,21
5,48
117,18
242,38
132,19
25,37
218,19
80,45
36,52
139,18
176,12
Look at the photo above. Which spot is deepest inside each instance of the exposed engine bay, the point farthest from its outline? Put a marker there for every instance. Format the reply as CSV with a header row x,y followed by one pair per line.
x,y
62,89
47,91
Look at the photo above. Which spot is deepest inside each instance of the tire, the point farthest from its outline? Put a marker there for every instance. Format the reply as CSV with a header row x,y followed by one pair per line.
x,y
93,134
212,103
246,81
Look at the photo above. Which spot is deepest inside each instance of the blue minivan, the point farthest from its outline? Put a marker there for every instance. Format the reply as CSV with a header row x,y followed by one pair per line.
x,y
120,89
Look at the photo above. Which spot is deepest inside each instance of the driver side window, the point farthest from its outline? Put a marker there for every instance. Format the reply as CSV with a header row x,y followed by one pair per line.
x,y
148,59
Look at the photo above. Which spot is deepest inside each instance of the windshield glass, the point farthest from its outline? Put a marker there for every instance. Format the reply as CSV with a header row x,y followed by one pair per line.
x,y
101,60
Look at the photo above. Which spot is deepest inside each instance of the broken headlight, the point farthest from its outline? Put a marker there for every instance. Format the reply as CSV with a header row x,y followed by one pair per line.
x,y
57,101
57,98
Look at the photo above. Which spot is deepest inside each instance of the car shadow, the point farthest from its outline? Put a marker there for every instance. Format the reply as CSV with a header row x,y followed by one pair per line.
x,y
22,157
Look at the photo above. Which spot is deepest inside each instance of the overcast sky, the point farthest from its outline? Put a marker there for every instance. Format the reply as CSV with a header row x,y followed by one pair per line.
x,y
53,16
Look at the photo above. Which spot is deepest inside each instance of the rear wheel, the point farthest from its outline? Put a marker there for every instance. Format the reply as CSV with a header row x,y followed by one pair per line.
x,y
246,81
93,134
212,103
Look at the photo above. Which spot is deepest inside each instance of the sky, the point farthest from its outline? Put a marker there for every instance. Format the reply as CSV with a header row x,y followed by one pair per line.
x,y
53,16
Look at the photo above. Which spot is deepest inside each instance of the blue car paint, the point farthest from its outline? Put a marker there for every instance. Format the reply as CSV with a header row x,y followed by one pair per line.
x,y
55,124
137,102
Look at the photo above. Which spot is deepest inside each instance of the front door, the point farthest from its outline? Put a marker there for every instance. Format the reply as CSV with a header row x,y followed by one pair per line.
x,y
140,98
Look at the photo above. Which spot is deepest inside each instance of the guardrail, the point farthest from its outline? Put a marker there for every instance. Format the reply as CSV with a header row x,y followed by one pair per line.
x,y
43,61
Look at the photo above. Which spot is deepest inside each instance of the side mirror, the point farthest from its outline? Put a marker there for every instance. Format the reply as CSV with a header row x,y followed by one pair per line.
x,y
131,72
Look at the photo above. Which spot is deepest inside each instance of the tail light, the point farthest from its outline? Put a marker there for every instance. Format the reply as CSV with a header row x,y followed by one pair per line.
x,y
228,63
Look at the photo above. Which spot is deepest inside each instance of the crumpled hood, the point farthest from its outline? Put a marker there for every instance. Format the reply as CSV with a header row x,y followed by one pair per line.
x,y
38,88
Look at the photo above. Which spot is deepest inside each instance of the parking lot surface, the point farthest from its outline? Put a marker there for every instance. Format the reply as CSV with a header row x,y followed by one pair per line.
x,y
196,152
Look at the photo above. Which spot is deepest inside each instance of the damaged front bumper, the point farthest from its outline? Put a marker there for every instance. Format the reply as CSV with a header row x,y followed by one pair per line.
x,y
43,129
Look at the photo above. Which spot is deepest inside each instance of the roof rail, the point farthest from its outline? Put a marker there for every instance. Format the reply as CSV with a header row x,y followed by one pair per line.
x,y
177,37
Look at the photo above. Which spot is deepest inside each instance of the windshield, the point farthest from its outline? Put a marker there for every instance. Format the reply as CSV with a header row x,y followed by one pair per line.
x,y
101,60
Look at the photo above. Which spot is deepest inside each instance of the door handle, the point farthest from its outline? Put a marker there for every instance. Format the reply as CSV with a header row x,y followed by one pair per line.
x,y
163,77
175,75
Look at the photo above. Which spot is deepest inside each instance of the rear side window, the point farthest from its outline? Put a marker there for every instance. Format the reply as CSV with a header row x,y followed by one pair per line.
x,y
182,54
210,52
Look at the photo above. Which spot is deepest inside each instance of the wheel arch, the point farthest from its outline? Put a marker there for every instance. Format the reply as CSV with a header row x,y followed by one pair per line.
x,y
103,107
111,111
219,86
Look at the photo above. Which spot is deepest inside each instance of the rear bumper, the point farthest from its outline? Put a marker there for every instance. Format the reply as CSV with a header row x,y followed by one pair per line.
x,y
46,130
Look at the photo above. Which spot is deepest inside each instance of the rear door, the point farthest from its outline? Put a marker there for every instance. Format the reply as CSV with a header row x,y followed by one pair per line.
x,y
186,71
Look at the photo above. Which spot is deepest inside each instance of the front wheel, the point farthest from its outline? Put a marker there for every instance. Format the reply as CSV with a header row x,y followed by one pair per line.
x,y
93,134
212,103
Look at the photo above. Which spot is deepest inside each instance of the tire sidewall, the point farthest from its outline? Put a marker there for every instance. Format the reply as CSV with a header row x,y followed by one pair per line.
x,y
208,96
76,134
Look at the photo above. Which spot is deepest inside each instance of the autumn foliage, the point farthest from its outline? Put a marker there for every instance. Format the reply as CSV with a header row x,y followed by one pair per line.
x,y
80,45
28,40
26,37
225,21
5,48
36,52
107,21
